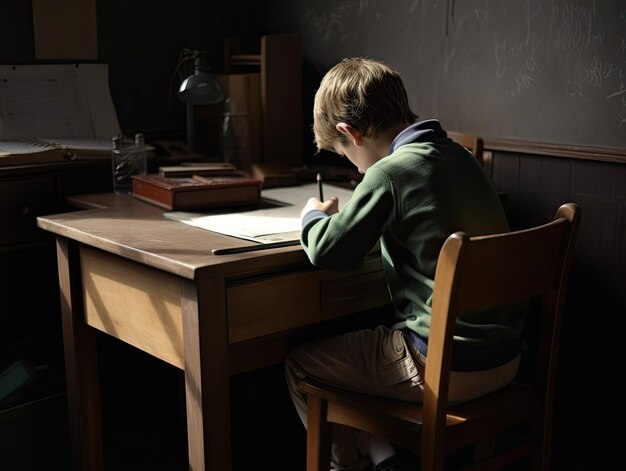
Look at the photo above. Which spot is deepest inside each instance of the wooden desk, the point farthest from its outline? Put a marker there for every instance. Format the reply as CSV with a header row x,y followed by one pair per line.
x,y
153,283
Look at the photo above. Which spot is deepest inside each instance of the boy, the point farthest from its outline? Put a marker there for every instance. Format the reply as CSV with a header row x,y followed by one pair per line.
x,y
418,188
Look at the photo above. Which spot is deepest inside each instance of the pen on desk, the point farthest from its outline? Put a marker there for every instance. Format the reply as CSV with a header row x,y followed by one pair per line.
x,y
320,187
254,248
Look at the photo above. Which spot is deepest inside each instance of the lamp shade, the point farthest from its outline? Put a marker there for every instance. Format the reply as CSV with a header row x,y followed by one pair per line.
x,y
200,88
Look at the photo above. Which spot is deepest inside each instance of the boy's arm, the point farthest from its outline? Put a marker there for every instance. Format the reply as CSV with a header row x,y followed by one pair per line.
x,y
321,208
343,240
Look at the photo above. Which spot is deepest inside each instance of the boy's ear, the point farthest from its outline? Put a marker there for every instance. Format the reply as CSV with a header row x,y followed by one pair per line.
x,y
350,132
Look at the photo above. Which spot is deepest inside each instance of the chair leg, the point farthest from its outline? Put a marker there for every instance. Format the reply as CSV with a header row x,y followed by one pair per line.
x,y
540,446
318,441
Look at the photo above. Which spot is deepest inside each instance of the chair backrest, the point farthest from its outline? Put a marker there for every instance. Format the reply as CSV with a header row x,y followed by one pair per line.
x,y
472,143
481,272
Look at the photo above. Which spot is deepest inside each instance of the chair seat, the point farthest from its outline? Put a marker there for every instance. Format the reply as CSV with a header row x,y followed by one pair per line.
x,y
498,410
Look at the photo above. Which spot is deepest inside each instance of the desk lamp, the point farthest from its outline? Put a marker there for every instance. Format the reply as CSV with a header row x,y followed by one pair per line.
x,y
200,88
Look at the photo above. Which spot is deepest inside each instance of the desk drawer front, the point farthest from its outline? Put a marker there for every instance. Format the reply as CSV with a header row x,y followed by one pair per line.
x,y
353,294
283,303
134,303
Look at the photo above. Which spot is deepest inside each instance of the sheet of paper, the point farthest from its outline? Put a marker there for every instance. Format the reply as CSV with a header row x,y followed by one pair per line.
x,y
277,220
56,101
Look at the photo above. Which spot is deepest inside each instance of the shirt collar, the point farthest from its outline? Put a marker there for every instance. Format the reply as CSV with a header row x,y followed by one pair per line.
x,y
418,132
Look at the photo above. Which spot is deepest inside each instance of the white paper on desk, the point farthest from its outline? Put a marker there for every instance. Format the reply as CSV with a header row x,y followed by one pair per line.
x,y
273,224
53,101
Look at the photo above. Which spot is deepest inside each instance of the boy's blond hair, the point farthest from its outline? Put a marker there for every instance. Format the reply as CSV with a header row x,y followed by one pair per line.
x,y
364,93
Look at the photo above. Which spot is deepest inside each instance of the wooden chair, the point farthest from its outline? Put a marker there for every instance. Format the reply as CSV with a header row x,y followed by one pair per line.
x,y
472,143
472,273
475,145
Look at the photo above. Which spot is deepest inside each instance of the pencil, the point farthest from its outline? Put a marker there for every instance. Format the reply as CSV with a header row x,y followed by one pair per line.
x,y
254,248
320,187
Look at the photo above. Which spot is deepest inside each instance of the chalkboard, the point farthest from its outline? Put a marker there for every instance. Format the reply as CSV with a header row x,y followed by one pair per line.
x,y
550,71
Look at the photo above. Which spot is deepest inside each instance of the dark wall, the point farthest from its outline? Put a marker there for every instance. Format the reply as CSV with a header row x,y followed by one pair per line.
x,y
141,41
552,71
591,361
16,32
546,71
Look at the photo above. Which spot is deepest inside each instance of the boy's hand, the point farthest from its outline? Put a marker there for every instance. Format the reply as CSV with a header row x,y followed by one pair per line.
x,y
330,206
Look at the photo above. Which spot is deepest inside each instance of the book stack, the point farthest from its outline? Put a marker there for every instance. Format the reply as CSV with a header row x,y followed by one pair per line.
x,y
193,191
211,169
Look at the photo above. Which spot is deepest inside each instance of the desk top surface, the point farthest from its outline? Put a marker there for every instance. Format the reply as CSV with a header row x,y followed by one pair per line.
x,y
125,226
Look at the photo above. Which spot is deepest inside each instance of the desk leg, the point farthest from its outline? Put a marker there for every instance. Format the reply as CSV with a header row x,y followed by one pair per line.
x,y
205,337
81,363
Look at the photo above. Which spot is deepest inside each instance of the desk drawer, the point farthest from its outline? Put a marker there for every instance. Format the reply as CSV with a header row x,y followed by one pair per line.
x,y
21,201
282,303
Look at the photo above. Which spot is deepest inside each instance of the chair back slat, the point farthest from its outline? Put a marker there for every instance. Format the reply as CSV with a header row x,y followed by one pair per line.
x,y
472,143
504,269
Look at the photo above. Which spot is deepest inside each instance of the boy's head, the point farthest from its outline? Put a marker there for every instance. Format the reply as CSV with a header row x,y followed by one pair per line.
x,y
364,93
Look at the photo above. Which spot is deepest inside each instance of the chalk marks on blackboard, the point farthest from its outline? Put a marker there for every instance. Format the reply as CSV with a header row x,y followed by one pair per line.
x,y
520,56
499,53
573,88
567,41
327,23
413,6
543,58
597,71
621,92
576,29
450,4
521,59
335,23
363,4
523,81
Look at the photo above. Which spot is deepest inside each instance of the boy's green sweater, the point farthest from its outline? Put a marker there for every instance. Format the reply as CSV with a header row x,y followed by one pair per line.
x,y
411,201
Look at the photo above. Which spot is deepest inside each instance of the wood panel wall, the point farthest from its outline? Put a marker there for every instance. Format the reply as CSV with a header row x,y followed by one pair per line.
x,y
591,369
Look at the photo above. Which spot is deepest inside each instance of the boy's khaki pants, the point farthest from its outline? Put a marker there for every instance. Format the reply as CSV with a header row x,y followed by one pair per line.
x,y
381,362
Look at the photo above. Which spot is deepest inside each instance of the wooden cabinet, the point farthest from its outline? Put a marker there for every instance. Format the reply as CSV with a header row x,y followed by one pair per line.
x,y
278,60
33,418
21,201
263,77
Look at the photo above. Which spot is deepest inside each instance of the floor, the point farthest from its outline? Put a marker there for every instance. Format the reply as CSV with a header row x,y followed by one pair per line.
x,y
266,432
144,422
144,426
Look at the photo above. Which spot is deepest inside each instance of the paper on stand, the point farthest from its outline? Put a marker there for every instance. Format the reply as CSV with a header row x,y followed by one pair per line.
x,y
66,106
23,147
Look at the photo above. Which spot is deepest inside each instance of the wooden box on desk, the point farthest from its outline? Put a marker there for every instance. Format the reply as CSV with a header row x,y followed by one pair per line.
x,y
191,193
